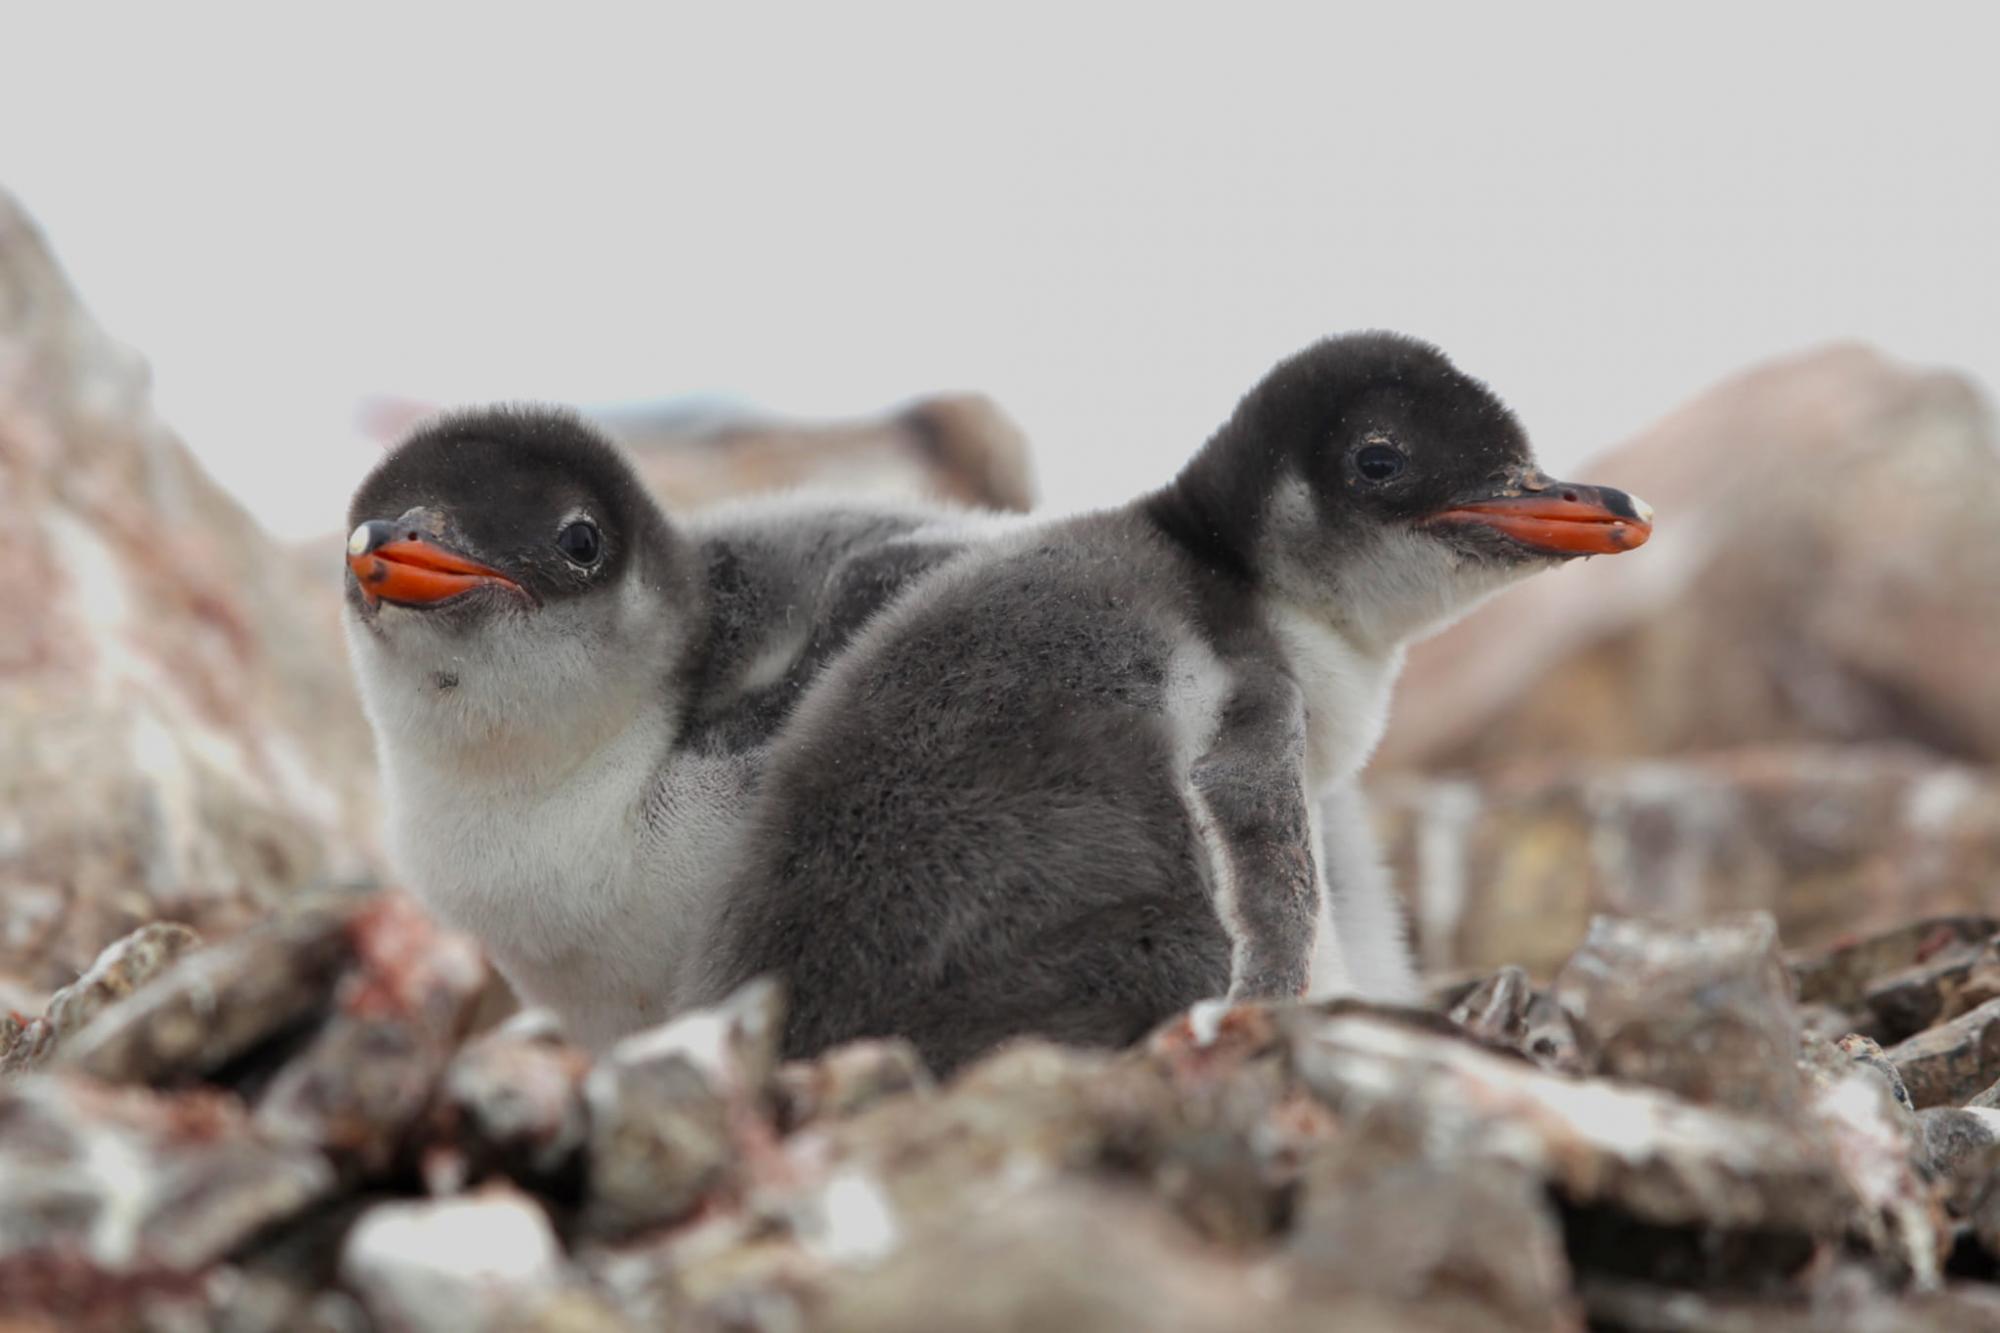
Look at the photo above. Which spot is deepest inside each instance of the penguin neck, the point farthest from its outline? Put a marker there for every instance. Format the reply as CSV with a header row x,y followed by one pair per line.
x,y
1347,680
1212,508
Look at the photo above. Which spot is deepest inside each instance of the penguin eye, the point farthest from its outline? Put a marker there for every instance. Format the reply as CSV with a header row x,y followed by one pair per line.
x,y
1379,462
580,543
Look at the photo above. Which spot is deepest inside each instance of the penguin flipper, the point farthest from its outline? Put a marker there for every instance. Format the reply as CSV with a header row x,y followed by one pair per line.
x,y
1251,781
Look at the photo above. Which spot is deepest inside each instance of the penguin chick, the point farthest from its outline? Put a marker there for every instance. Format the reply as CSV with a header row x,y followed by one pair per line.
x,y
571,694
1068,785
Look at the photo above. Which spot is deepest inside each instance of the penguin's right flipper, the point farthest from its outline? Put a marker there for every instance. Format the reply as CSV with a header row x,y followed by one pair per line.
x,y
1251,783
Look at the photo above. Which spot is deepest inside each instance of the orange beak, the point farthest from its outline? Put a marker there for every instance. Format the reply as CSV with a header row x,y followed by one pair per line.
x,y
412,571
1563,519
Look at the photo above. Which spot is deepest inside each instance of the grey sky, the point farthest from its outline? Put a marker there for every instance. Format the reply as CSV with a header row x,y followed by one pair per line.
x,y
1112,222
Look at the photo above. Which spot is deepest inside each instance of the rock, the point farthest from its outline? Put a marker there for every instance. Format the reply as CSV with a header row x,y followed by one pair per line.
x,y
1761,612
1866,1053
682,1112
1980,1202
1231,1145
848,1079
1826,1023
368,1073
1956,1136
1550,1040
178,736
1705,1012
512,1104
1948,1065
287,1278
1913,998
959,448
1831,842
1284,1166
1642,1172
1856,1307
1036,1109
1979,986
1497,1009
443,1265
123,966
1090,1258
222,1002
1842,974
1390,1224
1862,1115
1065,1256
112,1197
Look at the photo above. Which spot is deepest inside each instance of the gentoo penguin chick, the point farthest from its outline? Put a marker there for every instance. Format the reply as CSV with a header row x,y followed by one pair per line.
x,y
570,694
1068,785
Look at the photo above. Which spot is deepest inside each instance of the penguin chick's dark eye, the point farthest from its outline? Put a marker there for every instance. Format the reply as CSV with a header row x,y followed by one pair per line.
x,y
580,543
1378,462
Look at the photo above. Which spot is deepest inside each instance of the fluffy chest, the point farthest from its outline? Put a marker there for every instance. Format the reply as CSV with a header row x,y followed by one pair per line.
x,y
1347,691
585,890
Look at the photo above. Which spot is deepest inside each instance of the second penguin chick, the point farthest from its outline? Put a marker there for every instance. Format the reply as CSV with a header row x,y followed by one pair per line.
x,y
1067,786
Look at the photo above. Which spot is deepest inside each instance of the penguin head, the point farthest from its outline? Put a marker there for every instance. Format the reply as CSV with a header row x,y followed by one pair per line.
x,y
1371,481
507,562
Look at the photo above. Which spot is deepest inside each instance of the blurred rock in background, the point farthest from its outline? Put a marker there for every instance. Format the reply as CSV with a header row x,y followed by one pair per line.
x,y
1787,702
1509,866
1825,569
958,448
178,736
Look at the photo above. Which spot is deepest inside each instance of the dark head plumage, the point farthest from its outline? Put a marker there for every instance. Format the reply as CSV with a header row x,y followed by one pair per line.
x,y
1377,429
533,494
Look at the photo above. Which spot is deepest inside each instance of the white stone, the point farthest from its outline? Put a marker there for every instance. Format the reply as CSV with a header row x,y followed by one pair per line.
x,y
450,1264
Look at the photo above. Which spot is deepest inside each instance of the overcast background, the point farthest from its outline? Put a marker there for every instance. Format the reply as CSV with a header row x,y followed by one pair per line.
x,y
1111,219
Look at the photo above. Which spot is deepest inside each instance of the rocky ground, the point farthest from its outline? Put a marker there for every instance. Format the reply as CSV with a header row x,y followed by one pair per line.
x,y
1684,1130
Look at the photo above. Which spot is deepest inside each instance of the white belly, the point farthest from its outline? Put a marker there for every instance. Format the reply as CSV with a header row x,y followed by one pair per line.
x,y
1347,695
585,892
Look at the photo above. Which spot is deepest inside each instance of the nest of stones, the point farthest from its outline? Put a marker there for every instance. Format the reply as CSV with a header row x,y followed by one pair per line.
x,y
1684,1129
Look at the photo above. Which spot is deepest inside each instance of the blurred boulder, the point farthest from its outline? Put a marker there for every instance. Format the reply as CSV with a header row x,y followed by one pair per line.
x,y
178,737
111,1197
1824,570
369,1071
1706,1012
1950,1064
220,1004
123,966
958,448
1509,866
450,1264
